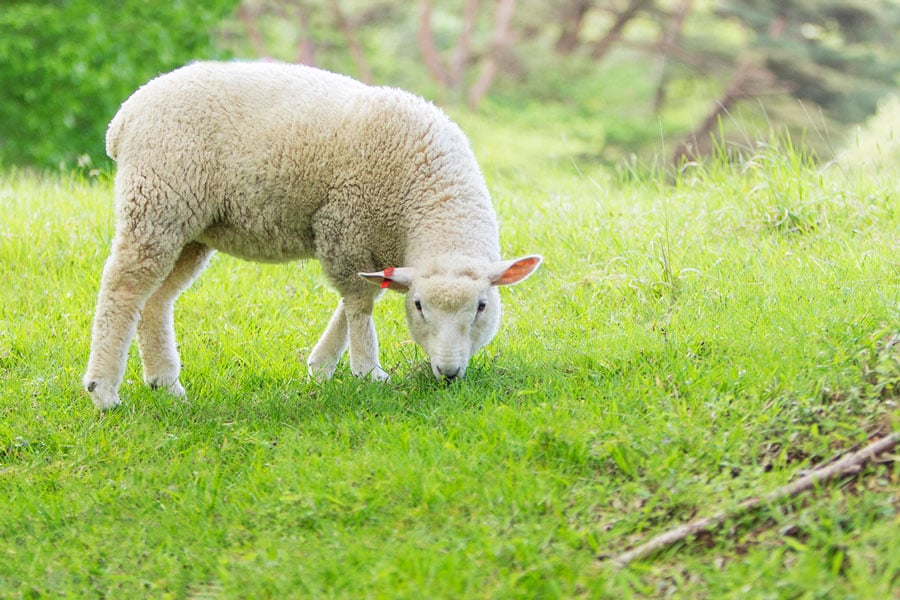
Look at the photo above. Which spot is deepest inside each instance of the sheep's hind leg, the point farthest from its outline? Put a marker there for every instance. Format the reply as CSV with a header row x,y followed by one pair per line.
x,y
155,330
331,346
131,274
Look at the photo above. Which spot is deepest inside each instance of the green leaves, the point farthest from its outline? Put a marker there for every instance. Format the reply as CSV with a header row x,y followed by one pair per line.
x,y
66,66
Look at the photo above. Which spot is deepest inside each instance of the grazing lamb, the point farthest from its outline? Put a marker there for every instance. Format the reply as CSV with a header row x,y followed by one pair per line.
x,y
273,162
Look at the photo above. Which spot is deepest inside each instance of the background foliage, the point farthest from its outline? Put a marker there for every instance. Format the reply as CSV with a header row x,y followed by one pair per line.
x,y
66,65
631,67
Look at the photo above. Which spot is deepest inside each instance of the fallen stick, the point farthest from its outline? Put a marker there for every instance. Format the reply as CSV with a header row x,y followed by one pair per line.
x,y
850,463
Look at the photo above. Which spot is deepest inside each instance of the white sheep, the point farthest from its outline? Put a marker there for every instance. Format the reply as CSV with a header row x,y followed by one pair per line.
x,y
273,162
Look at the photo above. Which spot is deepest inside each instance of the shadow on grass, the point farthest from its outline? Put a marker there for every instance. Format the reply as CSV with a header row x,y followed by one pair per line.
x,y
411,394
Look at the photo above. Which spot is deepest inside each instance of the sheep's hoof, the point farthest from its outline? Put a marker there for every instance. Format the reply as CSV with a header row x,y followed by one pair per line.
x,y
103,396
320,373
379,374
173,389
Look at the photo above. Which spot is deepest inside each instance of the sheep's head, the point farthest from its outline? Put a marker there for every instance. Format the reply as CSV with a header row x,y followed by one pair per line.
x,y
453,306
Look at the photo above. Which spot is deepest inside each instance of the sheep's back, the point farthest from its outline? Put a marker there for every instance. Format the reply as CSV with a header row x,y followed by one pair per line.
x,y
262,148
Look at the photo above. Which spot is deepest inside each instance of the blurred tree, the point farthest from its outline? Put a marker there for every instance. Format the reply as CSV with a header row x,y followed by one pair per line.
x,y
452,76
571,21
837,55
501,42
572,17
294,13
311,32
622,18
66,65
348,28
669,40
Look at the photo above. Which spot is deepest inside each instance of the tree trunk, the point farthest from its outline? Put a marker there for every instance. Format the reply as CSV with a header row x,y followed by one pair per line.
x,y
603,45
306,48
461,54
249,17
356,50
749,80
427,47
500,43
571,26
667,43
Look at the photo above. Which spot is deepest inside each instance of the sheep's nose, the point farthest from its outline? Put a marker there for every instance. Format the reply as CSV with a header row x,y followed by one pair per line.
x,y
448,373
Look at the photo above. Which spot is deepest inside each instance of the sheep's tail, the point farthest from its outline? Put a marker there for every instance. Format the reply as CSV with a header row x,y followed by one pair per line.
x,y
113,133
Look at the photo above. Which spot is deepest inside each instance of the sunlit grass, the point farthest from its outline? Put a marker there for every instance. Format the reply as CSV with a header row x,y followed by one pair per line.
x,y
686,345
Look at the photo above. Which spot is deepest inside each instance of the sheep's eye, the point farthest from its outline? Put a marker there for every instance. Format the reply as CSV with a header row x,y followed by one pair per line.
x,y
418,304
482,304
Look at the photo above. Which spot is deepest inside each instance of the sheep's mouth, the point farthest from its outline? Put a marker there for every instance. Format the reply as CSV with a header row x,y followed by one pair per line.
x,y
448,372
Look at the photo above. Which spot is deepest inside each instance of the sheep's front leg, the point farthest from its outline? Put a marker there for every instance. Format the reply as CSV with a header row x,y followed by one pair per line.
x,y
364,347
331,346
363,340
347,327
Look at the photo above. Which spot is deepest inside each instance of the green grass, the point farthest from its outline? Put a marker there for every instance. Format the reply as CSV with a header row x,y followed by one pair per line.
x,y
685,346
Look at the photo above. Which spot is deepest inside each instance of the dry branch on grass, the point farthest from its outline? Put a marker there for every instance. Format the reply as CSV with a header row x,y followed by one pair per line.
x,y
849,464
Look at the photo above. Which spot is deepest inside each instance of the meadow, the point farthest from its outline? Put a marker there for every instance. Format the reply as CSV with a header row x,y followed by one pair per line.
x,y
694,338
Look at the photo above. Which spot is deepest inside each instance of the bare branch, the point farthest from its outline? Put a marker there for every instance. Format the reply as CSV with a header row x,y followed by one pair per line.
x,y
849,464
603,45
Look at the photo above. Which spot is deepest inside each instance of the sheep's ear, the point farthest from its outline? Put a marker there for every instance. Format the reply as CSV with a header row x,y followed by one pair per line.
x,y
509,272
397,279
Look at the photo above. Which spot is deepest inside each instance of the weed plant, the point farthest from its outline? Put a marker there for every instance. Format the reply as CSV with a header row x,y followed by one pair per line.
x,y
693,339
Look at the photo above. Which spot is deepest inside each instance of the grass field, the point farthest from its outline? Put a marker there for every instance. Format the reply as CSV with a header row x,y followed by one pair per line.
x,y
691,341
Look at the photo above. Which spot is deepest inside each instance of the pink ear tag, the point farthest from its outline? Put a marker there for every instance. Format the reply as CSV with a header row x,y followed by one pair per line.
x,y
386,282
